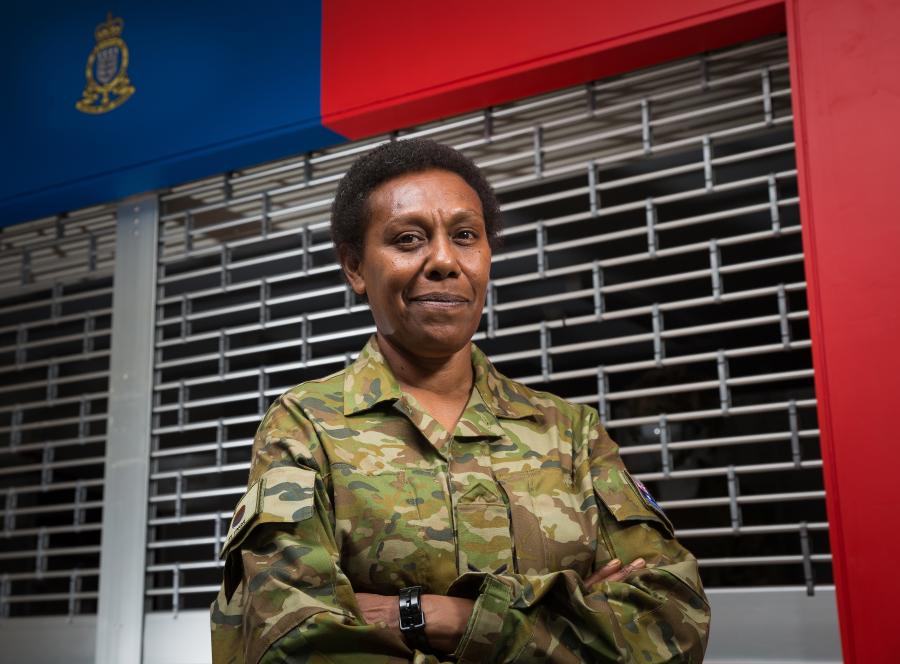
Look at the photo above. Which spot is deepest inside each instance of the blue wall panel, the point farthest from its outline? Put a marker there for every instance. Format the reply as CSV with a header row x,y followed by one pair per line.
x,y
218,86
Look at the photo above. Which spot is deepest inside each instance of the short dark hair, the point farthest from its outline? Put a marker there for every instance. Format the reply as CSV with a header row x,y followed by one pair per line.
x,y
349,213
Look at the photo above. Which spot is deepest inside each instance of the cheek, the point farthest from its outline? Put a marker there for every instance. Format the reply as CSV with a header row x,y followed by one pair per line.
x,y
390,278
480,269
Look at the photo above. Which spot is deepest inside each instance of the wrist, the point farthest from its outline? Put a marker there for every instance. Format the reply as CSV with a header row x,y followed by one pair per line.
x,y
448,618
412,617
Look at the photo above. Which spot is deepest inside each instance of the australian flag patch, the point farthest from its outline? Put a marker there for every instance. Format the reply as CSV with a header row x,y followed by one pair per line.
x,y
648,500
645,493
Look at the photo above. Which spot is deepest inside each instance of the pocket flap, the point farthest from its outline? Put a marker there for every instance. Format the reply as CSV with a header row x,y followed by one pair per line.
x,y
282,495
482,493
620,493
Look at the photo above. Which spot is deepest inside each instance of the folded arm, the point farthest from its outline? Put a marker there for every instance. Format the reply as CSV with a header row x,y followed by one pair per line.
x,y
652,613
284,593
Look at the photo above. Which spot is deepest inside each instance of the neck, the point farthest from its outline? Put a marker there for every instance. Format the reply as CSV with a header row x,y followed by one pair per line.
x,y
448,375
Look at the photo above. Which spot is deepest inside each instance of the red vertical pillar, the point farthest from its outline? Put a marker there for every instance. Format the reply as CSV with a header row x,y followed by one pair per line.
x,y
845,75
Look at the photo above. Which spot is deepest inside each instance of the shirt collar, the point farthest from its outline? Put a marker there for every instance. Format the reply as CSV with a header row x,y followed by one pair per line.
x,y
370,381
502,396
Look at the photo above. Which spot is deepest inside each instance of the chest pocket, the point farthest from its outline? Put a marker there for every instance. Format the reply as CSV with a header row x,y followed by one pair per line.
x,y
393,528
482,522
554,527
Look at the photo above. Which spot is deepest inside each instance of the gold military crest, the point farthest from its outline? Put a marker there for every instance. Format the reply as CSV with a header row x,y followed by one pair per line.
x,y
106,71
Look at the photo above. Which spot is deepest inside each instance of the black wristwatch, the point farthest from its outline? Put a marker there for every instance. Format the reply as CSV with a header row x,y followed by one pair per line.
x,y
412,617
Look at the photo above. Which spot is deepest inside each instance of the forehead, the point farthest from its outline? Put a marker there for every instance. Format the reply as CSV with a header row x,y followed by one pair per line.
x,y
422,191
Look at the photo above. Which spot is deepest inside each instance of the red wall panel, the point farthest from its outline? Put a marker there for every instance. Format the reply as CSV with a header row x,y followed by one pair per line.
x,y
390,65
845,59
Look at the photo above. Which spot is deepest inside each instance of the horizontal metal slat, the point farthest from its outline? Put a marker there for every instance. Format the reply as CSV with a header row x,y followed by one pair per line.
x,y
747,561
49,552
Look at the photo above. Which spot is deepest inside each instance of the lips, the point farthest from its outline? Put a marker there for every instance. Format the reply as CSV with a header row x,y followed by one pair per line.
x,y
440,297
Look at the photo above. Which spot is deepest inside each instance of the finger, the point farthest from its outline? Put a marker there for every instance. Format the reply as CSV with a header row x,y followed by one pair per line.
x,y
623,573
604,572
615,563
609,568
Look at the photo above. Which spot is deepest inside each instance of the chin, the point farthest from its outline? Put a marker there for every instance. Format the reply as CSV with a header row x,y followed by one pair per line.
x,y
435,342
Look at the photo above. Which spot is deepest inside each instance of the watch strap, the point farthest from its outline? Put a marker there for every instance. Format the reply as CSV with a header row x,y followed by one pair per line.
x,y
412,617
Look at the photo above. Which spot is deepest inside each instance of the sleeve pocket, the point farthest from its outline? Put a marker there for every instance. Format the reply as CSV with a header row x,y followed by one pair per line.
x,y
282,495
626,504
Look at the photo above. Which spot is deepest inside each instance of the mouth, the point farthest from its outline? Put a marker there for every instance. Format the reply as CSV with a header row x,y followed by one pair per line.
x,y
439,298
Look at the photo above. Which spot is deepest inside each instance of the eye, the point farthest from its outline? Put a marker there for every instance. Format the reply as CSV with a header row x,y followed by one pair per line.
x,y
406,238
467,235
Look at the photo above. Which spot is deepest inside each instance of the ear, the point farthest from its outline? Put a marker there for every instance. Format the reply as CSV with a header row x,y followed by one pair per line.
x,y
351,265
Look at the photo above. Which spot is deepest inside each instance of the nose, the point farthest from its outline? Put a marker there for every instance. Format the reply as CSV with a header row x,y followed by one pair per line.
x,y
442,261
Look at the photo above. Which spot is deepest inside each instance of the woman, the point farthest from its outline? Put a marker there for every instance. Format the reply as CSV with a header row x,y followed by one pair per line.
x,y
419,477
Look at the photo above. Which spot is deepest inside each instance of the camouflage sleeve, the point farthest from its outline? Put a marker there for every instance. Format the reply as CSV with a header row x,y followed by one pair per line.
x,y
658,614
284,596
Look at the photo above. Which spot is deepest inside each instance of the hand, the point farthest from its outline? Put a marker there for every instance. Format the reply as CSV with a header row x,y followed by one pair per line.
x,y
614,571
380,609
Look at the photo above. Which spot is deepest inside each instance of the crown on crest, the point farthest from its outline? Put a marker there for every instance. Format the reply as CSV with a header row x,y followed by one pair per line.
x,y
112,27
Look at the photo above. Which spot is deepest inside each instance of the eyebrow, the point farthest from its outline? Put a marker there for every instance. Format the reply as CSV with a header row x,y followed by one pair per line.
x,y
457,216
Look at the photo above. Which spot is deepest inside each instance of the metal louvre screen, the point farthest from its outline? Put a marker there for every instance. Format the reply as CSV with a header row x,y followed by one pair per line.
x,y
56,280
652,266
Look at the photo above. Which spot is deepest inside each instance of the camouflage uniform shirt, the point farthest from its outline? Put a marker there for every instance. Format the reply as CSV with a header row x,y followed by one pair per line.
x,y
355,488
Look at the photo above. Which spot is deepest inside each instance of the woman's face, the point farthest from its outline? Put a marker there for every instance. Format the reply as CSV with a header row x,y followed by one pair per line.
x,y
425,263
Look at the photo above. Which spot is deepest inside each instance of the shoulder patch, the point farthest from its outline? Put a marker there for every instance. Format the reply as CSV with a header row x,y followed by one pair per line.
x,y
644,493
248,508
